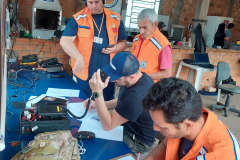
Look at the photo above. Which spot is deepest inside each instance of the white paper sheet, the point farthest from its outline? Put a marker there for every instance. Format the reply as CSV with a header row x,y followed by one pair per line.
x,y
78,110
35,100
63,92
127,158
95,126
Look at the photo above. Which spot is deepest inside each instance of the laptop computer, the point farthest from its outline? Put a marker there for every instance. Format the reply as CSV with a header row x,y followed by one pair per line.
x,y
200,59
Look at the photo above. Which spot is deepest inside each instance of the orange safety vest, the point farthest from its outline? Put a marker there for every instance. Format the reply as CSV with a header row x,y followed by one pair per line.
x,y
85,35
214,142
150,49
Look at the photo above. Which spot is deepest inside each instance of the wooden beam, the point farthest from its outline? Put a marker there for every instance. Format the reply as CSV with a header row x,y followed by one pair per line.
x,y
177,12
200,13
230,7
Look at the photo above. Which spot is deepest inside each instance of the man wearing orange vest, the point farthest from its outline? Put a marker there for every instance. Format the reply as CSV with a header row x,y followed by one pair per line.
x,y
86,39
151,47
193,132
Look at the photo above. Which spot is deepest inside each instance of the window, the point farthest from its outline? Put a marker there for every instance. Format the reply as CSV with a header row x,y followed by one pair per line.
x,y
134,7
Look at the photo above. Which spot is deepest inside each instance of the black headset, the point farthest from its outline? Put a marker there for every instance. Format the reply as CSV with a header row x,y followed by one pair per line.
x,y
85,2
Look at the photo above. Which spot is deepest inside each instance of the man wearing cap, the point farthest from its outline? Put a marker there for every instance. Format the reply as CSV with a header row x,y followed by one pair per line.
x,y
151,47
160,26
86,39
127,108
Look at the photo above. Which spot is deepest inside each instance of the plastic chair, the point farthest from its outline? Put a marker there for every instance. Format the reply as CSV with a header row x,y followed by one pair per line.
x,y
223,73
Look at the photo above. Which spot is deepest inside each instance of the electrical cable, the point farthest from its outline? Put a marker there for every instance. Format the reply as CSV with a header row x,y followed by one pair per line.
x,y
20,4
42,46
14,84
19,137
7,122
84,114
49,28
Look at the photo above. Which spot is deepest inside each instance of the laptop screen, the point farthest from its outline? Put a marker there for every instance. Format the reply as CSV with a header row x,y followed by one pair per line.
x,y
201,57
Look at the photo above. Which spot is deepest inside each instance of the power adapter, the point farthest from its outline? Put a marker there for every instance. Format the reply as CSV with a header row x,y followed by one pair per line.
x,y
19,105
12,74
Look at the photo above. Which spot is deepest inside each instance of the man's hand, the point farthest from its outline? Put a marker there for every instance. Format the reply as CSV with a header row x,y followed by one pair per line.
x,y
96,83
79,65
109,50
92,104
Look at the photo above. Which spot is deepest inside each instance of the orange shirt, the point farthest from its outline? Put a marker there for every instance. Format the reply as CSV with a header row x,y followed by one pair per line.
x,y
214,142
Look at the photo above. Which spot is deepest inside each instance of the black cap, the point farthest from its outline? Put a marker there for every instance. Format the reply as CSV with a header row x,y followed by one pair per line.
x,y
161,25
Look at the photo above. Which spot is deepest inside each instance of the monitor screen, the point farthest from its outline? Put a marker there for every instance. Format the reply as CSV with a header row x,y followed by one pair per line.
x,y
3,72
201,57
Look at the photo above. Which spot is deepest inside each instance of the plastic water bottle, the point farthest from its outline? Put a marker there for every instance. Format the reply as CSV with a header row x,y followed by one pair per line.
x,y
190,43
184,41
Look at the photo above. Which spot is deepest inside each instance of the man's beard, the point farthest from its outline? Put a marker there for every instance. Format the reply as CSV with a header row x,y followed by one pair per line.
x,y
124,85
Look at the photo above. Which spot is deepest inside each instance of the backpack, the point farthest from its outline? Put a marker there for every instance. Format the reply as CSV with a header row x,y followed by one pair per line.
x,y
229,81
59,145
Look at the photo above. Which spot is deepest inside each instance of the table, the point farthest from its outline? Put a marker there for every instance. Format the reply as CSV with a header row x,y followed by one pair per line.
x,y
200,71
95,149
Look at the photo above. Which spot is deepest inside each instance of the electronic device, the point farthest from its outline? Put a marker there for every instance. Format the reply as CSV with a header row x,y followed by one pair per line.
x,y
84,135
200,59
97,94
43,119
57,76
35,127
50,112
12,74
48,100
51,61
29,58
103,76
54,68
111,45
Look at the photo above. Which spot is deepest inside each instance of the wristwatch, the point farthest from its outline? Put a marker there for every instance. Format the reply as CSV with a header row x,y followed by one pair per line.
x,y
97,94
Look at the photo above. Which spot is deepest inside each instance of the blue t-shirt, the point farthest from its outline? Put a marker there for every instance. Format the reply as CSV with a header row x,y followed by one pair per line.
x,y
228,34
129,106
98,59
184,148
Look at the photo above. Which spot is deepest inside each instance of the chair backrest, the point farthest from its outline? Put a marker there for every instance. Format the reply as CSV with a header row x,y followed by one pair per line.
x,y
223,71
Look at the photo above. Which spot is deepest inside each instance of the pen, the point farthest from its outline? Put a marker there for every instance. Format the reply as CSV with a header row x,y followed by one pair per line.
x,y
138,156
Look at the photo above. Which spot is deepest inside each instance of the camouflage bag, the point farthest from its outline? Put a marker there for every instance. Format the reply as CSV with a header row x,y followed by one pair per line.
x,y
59,145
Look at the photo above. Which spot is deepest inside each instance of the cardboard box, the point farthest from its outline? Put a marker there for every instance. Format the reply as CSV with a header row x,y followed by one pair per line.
x,y
210,89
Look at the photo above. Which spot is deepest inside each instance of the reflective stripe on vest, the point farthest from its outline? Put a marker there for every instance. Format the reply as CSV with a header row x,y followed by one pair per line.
x,y
236,144
203,151
202,157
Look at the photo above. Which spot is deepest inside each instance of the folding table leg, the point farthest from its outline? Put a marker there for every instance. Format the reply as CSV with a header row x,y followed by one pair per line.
x,y
198,78
179,70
